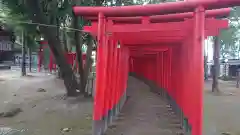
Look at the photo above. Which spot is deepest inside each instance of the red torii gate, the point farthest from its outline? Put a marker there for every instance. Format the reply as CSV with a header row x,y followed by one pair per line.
x,y
147,68
156,33
70,56
168,51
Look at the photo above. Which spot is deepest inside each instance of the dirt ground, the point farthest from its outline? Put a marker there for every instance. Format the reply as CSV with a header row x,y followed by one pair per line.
x,y
221,111
43,113
50,113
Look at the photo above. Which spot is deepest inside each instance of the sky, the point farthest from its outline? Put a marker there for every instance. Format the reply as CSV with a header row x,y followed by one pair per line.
x,y
208,46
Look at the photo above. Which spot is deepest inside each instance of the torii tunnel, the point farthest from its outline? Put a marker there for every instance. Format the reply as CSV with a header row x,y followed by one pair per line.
x,y
160,43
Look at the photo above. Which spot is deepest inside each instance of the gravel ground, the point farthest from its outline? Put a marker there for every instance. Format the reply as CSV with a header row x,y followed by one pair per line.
x,y
50,113
47,112
221,111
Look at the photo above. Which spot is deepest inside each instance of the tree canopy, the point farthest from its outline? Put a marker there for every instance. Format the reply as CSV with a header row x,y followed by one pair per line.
x,y
229,38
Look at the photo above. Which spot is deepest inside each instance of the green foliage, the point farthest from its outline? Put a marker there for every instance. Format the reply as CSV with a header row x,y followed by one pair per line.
x,y
229,38
160,1
13,16
133,2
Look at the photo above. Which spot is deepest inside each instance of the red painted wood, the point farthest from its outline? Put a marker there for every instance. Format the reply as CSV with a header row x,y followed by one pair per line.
x,y
100,74
108,75
116,75
154,9
172,26
111,70
163,30
217,13
198,67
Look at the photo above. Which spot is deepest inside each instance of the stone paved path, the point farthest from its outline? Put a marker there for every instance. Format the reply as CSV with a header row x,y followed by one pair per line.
x,y
144,113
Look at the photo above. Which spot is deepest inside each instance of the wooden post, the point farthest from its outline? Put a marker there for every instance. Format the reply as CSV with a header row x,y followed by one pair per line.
x,y
23,65
216,55
30,59
238,77
40,58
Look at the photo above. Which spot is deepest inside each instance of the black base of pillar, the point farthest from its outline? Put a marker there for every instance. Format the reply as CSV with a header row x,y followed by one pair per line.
x,y
100,126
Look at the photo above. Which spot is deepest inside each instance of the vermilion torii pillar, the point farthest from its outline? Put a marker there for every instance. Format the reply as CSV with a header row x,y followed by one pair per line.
x,y
184,38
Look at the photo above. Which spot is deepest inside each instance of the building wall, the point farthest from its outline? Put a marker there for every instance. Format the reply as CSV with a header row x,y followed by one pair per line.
x,y
18,59
6,56
6,47
221,70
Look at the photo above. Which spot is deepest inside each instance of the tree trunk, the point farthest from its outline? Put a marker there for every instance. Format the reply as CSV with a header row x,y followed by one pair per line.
x,y
88,62
50,34
65,42
216,66
67,73
74,67
205,68
238,78
60,74
23,65
78,45
30,59
118,2
99,2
